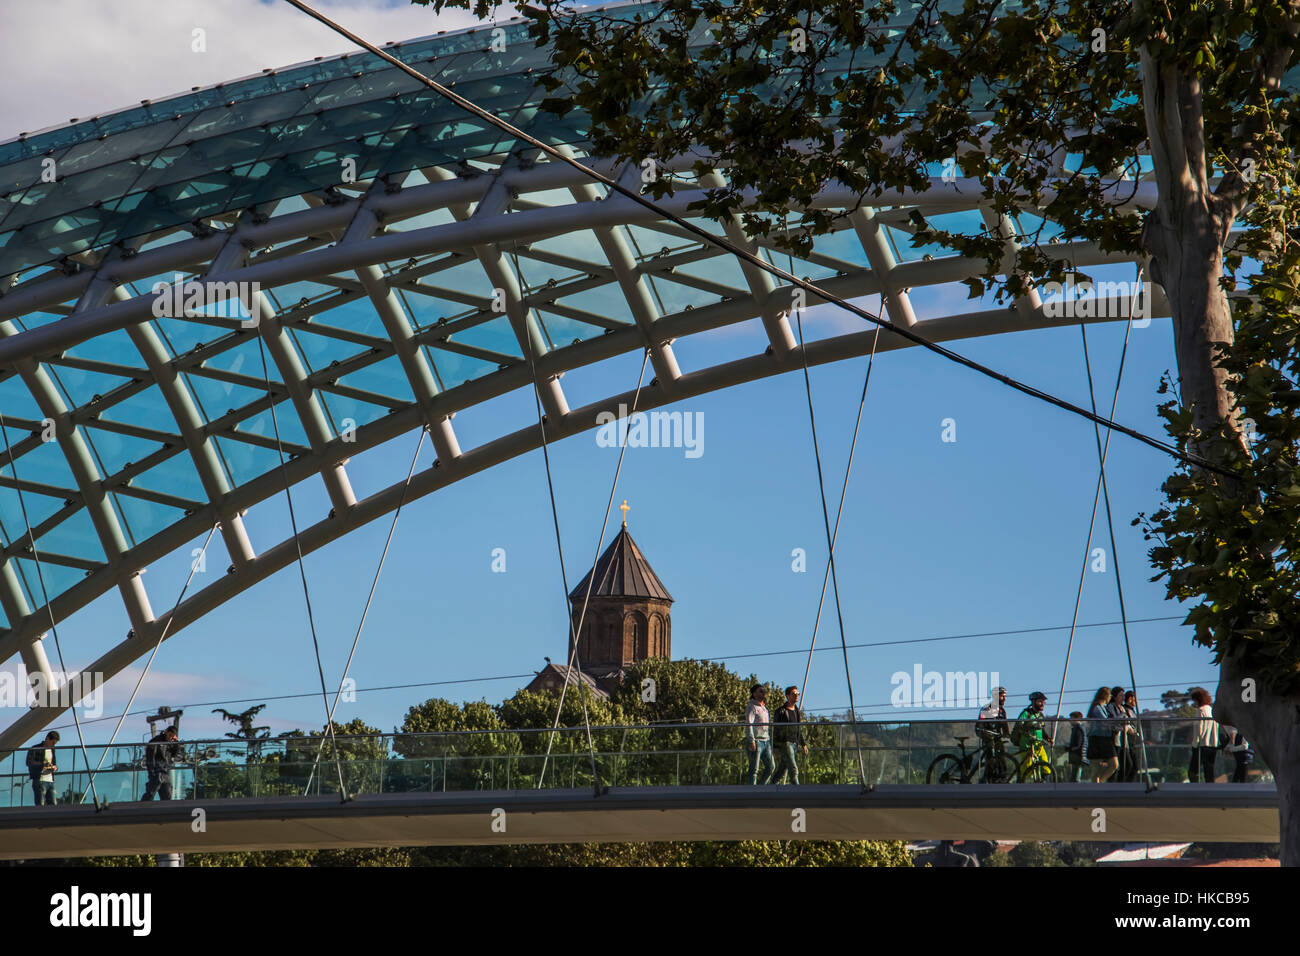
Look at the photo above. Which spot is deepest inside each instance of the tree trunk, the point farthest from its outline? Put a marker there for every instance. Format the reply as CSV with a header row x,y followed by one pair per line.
x,y
1272,725
1185,235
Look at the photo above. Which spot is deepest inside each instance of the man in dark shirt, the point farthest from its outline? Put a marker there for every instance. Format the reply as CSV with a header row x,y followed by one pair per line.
x,y
160,756
787,733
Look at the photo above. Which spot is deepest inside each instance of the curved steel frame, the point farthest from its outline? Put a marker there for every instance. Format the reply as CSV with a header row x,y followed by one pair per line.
x,y
345,241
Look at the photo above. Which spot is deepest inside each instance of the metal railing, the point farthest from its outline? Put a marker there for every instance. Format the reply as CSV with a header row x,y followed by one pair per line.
x,y
895,752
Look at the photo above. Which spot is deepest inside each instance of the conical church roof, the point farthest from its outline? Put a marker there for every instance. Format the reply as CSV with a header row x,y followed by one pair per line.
x,y
622,571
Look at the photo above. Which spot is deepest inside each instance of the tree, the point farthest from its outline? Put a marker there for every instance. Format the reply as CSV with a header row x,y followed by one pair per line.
x,y
244,723
360,752
847,853
1045,108
685,692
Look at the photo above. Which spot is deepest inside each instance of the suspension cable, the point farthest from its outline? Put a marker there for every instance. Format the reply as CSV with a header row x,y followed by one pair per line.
x,y
576,630
839,511
830,539
1114,551
162,636
302,570
759,262
40,577
1103,448
574,660
401,499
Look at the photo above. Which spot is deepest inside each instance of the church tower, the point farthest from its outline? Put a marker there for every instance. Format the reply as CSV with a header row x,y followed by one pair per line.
x,y
629,612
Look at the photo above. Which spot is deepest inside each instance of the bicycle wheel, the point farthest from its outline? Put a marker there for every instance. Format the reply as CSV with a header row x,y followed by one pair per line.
x,y
947,768
997,767
1036,771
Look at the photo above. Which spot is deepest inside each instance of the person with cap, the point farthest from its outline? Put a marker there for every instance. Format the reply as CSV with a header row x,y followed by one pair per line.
x,y
1029,732
992,720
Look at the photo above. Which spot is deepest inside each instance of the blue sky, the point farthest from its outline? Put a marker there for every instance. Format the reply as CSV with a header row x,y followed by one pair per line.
x,y
984,534
981,535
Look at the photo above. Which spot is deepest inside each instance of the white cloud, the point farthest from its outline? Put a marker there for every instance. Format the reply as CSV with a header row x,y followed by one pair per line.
x,y
80,58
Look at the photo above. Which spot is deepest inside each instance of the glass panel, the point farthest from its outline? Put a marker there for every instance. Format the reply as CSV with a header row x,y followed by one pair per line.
x,y
496,335
244,461
43,464
75,537
173,476
16,400
454,369
319,351
39,507
114,347
385,377
81,387
218,399
340,407
115,451
144,519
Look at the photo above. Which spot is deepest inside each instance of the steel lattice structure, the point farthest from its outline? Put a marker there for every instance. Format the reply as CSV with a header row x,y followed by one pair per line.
x,y
377,308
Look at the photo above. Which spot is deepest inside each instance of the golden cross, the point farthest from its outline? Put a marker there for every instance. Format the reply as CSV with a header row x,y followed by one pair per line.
x,y
625,509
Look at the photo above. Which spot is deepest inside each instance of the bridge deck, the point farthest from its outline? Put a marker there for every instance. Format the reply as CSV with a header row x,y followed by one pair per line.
x,y
1200,812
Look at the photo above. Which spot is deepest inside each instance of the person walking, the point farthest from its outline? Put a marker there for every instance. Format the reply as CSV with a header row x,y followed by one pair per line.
x,y
1132,738
160,755
787,735
1205,742
1115,710
1078,747
41,768
1101,738
1242,754
757,723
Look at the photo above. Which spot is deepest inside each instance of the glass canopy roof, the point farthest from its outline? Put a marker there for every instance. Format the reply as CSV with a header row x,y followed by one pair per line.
x,y
137,452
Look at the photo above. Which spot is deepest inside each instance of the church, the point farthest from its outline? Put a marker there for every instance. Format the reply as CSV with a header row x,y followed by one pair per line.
x,y
628,619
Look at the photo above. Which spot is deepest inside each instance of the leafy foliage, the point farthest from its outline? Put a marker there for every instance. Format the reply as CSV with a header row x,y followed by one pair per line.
x,y
1230,545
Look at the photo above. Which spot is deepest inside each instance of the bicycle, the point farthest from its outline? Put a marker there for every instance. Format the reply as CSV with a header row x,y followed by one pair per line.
x,y
1033,764
989,764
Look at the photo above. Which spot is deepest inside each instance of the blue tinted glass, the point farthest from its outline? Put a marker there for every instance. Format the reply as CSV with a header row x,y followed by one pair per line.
x,y
43,463
39,508
82,386
244,461
16,400
454,369
115,451
173,476
143,519
75,537
339,408
286,420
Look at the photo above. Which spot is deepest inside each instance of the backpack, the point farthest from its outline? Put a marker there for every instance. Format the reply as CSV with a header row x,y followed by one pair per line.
x,y
36,759
1022,735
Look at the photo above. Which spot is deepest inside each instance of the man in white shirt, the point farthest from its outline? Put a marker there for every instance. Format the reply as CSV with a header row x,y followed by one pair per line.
x,y
41,767
757,724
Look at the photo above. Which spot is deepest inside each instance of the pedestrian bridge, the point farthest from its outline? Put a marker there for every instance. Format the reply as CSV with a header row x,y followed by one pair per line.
x,y
1119,812
657,782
